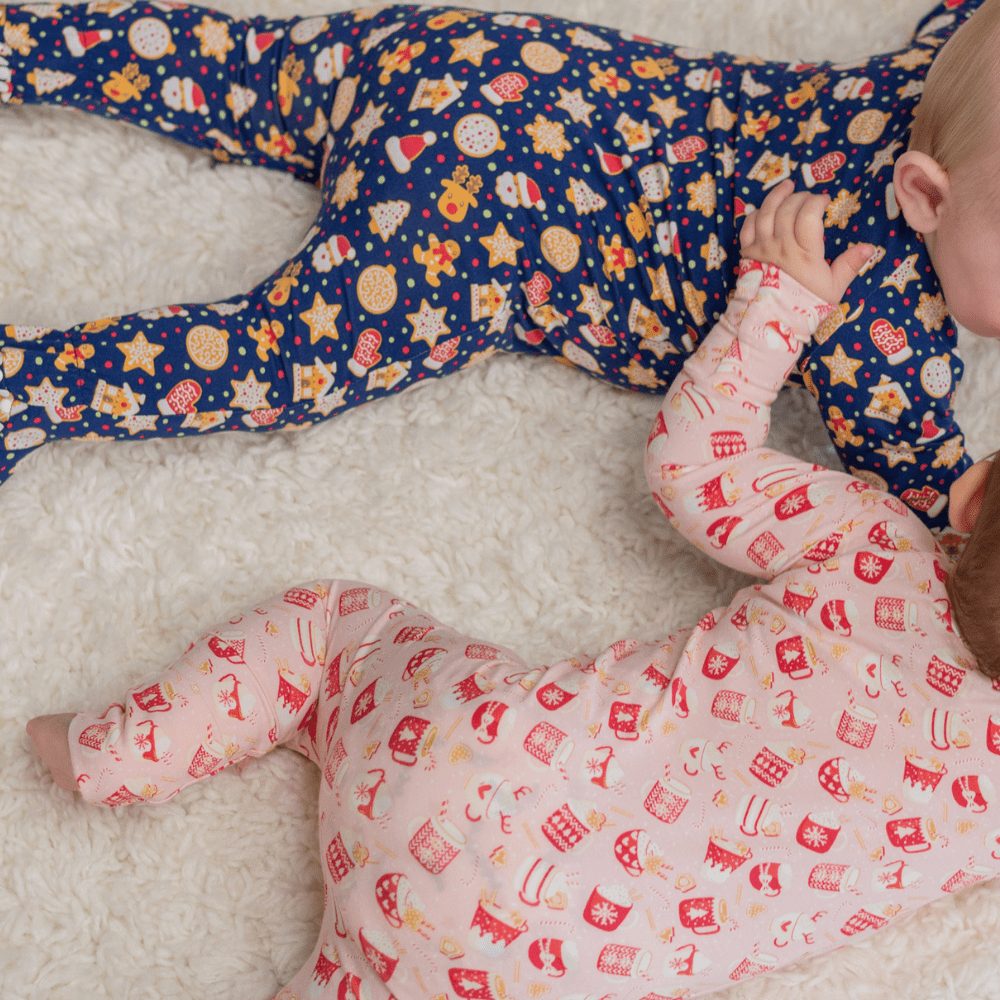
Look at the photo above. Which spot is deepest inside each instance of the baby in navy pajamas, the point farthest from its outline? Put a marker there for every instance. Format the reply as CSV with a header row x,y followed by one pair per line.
x,y
493,182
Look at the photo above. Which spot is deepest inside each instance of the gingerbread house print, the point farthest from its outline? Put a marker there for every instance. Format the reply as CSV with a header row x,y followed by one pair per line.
x,y
116,401
311,381
888,400
487,300
771,170
436,95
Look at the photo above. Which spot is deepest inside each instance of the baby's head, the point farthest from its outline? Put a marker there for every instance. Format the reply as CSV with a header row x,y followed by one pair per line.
x,y
947,183
974,585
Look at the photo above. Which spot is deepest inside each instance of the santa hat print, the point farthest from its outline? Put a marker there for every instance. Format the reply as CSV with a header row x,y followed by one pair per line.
x,y
341,250
193,96
259,42
403,150
611,163
78,42
529,192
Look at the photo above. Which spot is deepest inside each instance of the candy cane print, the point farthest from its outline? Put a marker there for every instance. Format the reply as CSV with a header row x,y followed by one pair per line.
x,y
310,660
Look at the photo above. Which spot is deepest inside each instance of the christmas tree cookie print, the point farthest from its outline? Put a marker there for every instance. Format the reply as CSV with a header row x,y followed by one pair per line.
x,y
387,216
47,81
583,198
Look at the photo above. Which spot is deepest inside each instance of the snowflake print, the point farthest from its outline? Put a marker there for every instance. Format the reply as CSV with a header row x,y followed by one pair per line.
x,y
362,790
993,741
840,210
377,961
678,964
931,311
227,700
912,59
793,504
552,697
549,137
602,914
215,40
716,664
869,566
702,195
781,713
815,837
949,453
346,188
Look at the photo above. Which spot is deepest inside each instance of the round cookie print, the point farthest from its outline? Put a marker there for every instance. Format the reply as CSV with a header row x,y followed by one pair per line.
x,y
26,437
578,356
305,31
867,126
935,376
377,288
478,135
150,38
344,101
542,57
560,248
208,347
13,358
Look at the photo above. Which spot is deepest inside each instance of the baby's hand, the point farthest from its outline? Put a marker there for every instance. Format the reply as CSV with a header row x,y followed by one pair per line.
x,y
787,230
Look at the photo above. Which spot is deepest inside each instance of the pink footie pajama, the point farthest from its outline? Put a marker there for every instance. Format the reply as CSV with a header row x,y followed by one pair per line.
x,y
663,820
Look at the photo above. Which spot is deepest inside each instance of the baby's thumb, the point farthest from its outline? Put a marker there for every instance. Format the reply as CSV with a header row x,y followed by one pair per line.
x,y
845,268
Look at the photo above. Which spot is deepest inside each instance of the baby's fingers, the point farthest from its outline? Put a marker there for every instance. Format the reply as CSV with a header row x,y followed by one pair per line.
x,y
810,232
846,267
749,230
765,215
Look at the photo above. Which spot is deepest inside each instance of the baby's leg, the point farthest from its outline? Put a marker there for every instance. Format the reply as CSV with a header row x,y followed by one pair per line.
x,y
256,91
50,736
248,685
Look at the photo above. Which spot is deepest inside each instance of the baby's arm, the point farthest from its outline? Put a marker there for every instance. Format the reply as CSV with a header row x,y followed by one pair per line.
x,y
706,461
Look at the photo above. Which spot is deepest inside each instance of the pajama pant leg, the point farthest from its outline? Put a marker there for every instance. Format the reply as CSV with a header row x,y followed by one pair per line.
x,y
254,91
218,84
334,327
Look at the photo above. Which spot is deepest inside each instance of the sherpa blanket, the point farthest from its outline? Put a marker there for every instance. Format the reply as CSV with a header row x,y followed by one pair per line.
x,y
507,500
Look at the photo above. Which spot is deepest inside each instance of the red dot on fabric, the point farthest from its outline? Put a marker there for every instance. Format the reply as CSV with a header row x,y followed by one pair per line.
x,y
426,213
108,364
440,157
456,296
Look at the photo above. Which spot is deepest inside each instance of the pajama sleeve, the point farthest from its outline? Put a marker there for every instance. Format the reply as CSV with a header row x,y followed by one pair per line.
x,y
242,689
884,375
706,461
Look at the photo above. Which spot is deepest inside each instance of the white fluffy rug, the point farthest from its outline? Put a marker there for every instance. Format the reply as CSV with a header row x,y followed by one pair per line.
x,y
509,501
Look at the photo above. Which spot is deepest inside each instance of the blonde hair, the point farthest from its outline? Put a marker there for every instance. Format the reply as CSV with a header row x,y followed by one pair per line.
x,y
974,585
955,117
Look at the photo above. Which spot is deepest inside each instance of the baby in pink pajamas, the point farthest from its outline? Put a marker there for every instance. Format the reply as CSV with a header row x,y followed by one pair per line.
x,y
665,819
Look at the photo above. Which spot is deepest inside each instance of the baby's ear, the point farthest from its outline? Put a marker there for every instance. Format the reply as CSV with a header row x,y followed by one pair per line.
x,y
922,188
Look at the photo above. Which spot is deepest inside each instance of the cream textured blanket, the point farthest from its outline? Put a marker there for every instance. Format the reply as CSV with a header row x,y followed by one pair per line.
x,y
508,501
